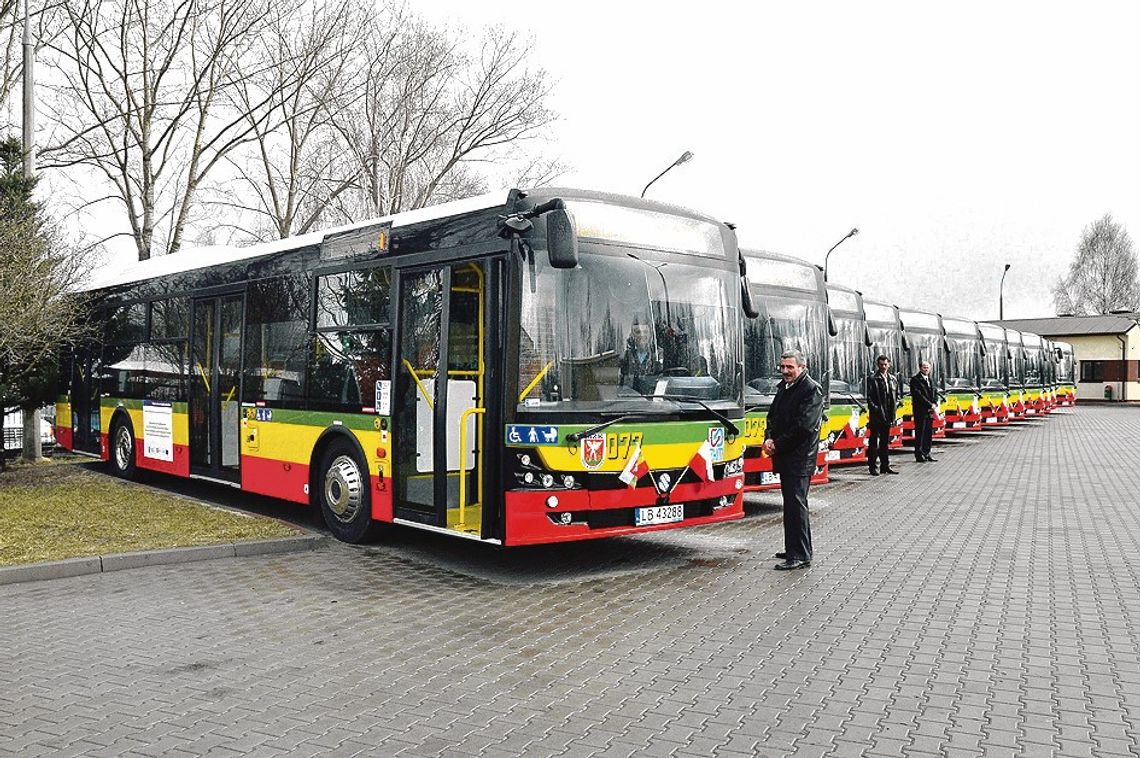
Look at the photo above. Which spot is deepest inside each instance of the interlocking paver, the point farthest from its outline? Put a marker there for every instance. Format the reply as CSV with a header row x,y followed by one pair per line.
x,y
987,604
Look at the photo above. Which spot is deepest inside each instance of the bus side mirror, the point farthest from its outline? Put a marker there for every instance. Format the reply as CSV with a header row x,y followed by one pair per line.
x,y
746,303
561,238
832,329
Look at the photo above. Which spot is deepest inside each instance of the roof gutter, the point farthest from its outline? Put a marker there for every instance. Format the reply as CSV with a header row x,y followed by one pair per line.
x,y
1123,367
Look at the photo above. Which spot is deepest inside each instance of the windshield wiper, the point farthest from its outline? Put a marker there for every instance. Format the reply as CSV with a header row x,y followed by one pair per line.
x,y
732,428
853,399
575,436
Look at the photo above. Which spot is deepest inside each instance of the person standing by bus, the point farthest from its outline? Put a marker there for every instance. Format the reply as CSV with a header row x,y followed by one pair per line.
x,y
882,402
791,438
925,403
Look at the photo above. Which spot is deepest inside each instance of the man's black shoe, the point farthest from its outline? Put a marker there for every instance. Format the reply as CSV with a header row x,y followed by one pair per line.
x,y
792,564
874,472
920,460
932,460
889,470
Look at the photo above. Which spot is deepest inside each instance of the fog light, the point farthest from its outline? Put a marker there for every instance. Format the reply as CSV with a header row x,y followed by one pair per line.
x,y
567,518
552,501
568,481
723,500
547,480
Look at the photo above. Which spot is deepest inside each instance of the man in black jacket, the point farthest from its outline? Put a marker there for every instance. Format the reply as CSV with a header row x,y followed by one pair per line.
x,y
791,438
924,402
882,402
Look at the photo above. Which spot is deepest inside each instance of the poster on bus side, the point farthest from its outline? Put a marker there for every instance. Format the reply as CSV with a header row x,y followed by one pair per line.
x,y
158,430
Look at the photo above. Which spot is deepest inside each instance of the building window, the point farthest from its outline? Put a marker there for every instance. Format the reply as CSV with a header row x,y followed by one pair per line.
x,y
1092,371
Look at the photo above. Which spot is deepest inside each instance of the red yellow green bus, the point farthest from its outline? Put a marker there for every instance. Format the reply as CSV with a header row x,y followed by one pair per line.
x,y
965,350
1066,375
789,295
926,341
886,337
994,402
849,361
518,368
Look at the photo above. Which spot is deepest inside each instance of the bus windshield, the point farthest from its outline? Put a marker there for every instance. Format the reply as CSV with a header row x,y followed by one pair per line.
x,y
785,323
926,346
964,363
850,358
626,327
1065,372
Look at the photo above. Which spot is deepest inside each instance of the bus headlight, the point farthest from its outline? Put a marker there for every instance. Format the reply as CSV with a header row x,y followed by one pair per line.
x,y
547,480
568,481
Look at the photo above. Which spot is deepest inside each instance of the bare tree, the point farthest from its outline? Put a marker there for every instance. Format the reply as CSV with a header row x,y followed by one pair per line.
x,y
432,114
287,180
38,314
1103,275
145,101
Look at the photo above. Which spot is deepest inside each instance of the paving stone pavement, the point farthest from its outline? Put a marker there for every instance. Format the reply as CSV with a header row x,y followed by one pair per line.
x,y
987,604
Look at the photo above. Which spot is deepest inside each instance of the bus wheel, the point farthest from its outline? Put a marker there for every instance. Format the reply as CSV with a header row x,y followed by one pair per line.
x,y
122,457
343,493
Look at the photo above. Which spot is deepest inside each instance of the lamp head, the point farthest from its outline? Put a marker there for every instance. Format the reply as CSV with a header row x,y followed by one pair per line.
x,y
685,158
1007,267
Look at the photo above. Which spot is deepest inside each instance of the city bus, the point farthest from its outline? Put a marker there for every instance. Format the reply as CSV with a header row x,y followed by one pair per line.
x,y
926,341
849,362
1018,396
1066,375
517,368
789,296
995,376
886,337
965,351
1035,382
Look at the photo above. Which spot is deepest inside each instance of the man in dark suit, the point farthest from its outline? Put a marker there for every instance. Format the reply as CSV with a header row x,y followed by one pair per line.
x,y
882,402
640,358
924,402
791,438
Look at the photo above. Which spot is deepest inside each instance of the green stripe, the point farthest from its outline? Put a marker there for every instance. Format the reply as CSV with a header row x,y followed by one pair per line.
x,y
653,432
137,405
359,421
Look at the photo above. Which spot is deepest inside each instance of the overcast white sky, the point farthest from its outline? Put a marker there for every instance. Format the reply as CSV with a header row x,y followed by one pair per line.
x,y
956,136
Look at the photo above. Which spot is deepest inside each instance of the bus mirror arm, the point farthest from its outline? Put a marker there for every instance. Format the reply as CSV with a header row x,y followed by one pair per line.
x,y
746,303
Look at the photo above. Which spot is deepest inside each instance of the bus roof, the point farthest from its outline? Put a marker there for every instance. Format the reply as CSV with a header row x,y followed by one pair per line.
x,y
926,320
190,259
878,312
845,300
960,327
766,269
992,331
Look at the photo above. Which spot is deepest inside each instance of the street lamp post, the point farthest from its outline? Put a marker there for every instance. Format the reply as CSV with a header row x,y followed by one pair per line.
x,y
1001,294
685,158
850,234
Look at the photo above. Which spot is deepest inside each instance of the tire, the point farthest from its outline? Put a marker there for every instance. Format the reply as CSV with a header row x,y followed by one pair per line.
x,y
121,452
343,491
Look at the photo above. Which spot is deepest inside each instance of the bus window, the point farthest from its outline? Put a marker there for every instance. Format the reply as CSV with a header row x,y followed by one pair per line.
x,y
276,335
346,367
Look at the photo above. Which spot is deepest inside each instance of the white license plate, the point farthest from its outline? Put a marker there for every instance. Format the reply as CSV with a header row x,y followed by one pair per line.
x,y
833,455
1031,411
991,419
767,477
659,514
958,425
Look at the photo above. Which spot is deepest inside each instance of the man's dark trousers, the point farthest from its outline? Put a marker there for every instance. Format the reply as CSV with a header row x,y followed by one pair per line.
x,y
797,527
923,432
878,445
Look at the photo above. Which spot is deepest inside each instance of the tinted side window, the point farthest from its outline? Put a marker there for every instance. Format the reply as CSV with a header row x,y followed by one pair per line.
x,y
276,340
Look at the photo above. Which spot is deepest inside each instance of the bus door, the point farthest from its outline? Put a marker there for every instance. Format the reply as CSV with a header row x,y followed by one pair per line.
x,y
215,391
85,424
440,414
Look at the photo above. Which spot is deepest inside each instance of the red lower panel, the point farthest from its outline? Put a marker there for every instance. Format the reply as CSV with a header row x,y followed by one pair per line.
x,y
265,476
63,437
290,481
755,465
528,522
104,447
180,466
